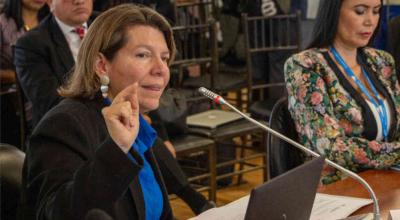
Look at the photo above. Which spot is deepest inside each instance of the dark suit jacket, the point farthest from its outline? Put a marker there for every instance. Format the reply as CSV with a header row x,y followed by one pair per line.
x,y
43,61
72,166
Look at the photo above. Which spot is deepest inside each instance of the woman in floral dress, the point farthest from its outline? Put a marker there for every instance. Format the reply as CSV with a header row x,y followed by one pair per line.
x,y
344,96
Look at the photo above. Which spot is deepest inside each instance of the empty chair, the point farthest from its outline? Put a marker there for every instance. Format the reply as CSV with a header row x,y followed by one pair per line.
x,y
194,12
197,56
193,145
264,35
204,12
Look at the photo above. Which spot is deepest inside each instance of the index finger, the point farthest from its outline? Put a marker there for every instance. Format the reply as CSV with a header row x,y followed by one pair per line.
x,y
126,94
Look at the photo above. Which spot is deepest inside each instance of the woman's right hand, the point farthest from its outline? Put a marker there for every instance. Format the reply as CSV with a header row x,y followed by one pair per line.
x,y
122,117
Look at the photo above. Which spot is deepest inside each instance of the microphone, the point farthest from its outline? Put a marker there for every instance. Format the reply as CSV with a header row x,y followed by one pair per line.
x,y
219,100
211,95
97,214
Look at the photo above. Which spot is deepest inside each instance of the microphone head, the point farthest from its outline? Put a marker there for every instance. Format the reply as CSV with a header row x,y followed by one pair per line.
x,y
211,95
202,90
97,214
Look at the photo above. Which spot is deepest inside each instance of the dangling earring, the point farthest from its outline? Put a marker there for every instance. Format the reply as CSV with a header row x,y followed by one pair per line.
x,y
104,80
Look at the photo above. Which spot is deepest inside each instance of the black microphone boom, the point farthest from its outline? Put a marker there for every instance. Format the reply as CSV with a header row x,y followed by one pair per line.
x,y
219,100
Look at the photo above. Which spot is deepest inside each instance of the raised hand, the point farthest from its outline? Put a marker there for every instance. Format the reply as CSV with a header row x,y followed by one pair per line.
x,y
122,117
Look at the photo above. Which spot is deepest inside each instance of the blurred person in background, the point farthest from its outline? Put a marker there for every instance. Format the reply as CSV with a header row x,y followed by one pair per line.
x,y
45,56
16,18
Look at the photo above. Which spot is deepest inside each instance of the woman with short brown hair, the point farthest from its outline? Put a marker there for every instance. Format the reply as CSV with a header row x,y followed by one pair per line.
x,y
93,150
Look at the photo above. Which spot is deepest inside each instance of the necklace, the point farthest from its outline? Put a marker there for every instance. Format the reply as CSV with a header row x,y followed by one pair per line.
x,y
380,106
26,27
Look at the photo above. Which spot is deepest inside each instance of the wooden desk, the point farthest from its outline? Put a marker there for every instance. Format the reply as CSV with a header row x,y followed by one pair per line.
x,y
386,185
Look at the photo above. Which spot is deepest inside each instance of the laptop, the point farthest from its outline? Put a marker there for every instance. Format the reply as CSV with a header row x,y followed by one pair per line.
x,y
288,196
212,118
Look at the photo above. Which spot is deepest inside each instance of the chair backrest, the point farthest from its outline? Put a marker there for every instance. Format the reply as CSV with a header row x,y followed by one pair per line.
x,y
394,40
24,129
196,47
264,34
11,162
281,156
194,12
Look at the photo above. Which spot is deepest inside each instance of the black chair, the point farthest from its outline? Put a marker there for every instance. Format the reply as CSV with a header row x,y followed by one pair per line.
x,y
194,12
241,132
265,35
24,127
21,108
281,156
10,111
192,145
11,161
197,50
394,40
203,50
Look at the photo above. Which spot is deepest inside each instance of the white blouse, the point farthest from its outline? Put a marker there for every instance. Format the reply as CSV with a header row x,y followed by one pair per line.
x,y
379,135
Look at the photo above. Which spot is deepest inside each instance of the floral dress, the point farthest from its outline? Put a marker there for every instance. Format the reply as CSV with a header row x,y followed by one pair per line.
x,y
333,119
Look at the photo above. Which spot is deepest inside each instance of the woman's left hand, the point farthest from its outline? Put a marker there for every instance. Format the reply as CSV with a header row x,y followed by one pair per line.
x,y
122,117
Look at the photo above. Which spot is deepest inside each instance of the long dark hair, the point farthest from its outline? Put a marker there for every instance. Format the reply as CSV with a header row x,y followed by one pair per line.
x,y
13,9
326,24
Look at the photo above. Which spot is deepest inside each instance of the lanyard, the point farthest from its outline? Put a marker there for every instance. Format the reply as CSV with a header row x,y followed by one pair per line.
x,y
381,106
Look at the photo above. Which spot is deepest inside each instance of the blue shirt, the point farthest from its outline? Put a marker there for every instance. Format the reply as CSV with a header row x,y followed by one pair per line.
x,y
153,198
152,194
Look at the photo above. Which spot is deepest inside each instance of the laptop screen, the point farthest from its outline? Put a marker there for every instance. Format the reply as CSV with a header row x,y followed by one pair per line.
x,y
212,118
288,196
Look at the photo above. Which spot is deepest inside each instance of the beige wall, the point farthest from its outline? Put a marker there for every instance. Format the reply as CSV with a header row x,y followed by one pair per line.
x,y
397,2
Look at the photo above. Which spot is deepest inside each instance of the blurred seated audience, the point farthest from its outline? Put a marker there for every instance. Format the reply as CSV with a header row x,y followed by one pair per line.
x,y
344,96
45,56
16,18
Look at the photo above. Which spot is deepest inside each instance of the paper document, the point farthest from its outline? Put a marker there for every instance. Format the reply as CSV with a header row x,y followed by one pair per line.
x,y
235,210
325,207
394,214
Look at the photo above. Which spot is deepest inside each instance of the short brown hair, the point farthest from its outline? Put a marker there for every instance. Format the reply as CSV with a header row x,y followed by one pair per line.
x,y
107,35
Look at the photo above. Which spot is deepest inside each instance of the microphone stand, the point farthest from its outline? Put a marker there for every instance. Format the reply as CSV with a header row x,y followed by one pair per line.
x,y
219,100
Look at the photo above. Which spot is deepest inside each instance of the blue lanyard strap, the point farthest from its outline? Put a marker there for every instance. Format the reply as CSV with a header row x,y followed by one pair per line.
x,y
381,106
